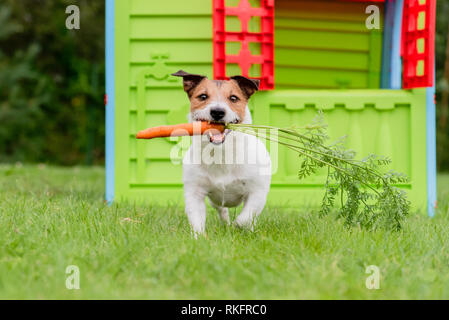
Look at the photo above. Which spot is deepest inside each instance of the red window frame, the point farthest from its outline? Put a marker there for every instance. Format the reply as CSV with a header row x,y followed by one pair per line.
x,y
245,59
414,37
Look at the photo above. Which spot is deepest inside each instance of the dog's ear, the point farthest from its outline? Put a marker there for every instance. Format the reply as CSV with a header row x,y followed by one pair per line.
x,y
190,81
248,86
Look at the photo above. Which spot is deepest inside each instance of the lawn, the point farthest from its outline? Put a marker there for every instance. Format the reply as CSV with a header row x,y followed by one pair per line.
x,y
52,217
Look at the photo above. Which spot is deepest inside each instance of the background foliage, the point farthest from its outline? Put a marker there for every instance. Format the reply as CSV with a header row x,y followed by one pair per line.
x,y
52,82
442,83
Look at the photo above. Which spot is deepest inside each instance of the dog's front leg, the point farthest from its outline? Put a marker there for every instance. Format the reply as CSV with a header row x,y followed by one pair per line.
x,y
252,207
195,210
223,212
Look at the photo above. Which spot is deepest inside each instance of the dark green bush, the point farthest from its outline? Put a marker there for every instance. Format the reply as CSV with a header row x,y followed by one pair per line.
x,y
441,38
51,82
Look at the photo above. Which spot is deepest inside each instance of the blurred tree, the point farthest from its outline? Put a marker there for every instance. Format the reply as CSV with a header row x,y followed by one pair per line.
x,y
442,83
51,82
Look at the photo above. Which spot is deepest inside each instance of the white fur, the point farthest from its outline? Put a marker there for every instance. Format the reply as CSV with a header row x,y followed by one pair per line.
x,y
226,184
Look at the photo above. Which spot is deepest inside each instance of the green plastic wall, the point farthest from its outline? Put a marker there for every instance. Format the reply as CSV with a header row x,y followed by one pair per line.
x,y
154,39
384,122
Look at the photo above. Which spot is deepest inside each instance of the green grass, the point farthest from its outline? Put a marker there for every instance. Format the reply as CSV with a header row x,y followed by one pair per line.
x,y
53,217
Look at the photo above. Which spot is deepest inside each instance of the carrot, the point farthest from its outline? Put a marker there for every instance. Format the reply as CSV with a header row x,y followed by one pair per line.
x,y
184,129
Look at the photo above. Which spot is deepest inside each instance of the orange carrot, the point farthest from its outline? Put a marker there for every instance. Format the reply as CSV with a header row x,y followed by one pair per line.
x,y
184,129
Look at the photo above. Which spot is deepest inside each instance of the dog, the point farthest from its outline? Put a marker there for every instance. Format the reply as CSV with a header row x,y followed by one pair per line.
x,y
247,177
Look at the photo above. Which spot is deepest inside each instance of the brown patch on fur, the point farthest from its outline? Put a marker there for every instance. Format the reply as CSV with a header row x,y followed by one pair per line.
x,y
189,80
219,90
218,82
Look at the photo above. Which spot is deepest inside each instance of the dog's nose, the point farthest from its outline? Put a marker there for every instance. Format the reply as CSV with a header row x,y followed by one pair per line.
x,y
217,113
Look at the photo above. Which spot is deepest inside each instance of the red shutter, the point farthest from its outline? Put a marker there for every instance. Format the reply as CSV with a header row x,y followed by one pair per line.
x,y
245,59
418,43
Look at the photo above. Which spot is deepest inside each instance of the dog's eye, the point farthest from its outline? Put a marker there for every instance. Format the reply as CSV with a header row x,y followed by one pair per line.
x,y
234,98
202,97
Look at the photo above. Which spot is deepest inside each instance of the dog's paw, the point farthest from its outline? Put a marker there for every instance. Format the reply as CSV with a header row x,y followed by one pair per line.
x,y
226,221
199,235
247,224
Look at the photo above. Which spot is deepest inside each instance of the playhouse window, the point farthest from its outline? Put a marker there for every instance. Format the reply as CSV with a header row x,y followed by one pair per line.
x,y
325,44
317,43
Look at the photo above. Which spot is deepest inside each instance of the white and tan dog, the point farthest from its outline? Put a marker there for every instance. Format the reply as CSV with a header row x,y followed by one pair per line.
x,y
232,167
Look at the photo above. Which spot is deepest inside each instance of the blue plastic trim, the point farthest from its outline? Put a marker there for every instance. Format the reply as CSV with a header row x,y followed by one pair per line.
x,y
110,106
396,62
391,77
386,47
431,151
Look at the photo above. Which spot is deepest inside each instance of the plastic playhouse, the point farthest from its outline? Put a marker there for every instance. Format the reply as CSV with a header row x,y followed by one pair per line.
x,y
374,85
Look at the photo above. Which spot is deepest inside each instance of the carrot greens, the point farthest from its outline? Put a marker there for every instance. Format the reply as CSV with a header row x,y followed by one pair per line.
x,y
363,192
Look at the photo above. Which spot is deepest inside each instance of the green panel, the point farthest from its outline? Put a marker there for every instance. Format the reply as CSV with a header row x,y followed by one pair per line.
x,y
325,44
384,122
317,59
153,40
315,48
297,77
144,28
168,8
